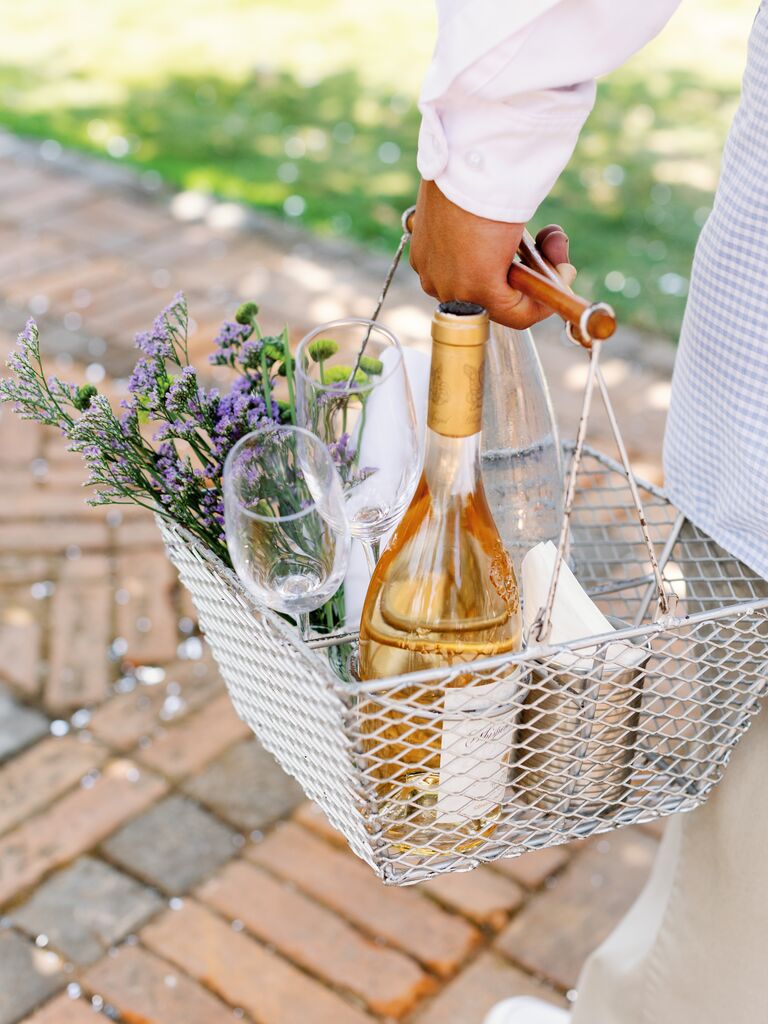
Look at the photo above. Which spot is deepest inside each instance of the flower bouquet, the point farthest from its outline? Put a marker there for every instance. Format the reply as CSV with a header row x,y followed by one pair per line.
x,y
165,449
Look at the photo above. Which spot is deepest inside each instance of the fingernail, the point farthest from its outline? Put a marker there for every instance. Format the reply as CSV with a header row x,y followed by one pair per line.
x,y
567,272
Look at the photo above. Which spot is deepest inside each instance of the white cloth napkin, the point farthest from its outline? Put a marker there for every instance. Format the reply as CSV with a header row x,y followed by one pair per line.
x,y
376,449
574,614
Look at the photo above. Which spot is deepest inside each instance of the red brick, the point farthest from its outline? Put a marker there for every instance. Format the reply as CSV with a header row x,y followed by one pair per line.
x,y
242,972
20,636
60,283
481,895
54,537
23,499
317,940
123,311
108,222
402,917
41,774
147,990
468,998
138,532
27,256
191,745
147,581
558,929
81,630
23,570
63,1010
533,869
20,440
59,193
129,717
311,817
75,824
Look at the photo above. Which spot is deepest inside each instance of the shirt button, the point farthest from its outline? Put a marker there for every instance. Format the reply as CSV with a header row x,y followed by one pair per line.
x,y
474,159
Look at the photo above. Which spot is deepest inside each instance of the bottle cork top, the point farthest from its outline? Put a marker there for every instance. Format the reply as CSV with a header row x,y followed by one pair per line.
x,y
460,323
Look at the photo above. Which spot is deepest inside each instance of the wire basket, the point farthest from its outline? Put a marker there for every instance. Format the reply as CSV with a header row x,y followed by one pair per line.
x,y
553,743
449,768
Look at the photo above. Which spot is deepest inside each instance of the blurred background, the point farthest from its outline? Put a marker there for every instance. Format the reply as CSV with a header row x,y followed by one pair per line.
x,y
308,110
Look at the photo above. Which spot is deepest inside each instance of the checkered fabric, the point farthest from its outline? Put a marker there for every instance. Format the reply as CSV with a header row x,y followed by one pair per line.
x,y
716,446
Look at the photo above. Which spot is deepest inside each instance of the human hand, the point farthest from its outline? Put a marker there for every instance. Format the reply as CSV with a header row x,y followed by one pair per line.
x,y
458,255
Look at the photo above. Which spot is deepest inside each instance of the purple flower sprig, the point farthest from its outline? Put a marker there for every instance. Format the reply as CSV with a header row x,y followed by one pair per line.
x,y
176,471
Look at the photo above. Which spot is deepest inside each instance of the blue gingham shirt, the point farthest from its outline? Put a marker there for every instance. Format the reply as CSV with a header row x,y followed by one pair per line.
x,y
716,445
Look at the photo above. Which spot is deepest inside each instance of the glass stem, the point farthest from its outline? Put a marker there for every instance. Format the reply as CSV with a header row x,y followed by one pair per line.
x,y
372,549
302,621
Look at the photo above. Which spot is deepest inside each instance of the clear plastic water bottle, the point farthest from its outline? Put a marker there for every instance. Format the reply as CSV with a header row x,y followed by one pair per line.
x,y
522,460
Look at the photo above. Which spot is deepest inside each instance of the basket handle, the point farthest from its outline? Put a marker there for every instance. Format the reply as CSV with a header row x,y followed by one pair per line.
x,y
543,623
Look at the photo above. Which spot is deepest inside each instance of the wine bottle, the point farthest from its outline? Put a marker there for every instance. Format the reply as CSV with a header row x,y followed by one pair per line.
x,y
443,593
522,463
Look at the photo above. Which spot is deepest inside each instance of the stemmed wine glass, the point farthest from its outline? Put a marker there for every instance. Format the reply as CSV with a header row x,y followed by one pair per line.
x,y
352,391
285,520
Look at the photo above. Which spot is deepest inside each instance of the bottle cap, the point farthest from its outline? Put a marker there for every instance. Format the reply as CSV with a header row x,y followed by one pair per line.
x,y
460,323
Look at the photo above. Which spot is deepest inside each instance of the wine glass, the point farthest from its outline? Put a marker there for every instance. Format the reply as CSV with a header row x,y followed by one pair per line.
x,y
285,519
352,391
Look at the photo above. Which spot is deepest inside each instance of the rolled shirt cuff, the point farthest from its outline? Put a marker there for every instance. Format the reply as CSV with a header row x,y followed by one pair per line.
x,y
499,159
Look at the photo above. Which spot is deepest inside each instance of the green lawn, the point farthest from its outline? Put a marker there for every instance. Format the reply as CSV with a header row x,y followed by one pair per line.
x,y
307,108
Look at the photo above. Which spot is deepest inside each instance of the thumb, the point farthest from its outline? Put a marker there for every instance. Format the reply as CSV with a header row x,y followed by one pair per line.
x,y
512,308
567,273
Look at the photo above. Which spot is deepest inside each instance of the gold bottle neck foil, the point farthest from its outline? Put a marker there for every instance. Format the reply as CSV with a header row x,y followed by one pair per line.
x,y
459,334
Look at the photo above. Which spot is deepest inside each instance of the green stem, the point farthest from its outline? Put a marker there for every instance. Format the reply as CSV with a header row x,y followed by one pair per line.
x,y
267,390
356,459
289,376
56,404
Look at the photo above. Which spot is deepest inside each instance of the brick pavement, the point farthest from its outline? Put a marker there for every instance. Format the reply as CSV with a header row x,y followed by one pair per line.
x,y
155,864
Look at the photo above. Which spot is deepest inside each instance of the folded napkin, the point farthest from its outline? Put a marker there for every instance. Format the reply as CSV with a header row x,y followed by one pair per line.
x,y
575,616
376,449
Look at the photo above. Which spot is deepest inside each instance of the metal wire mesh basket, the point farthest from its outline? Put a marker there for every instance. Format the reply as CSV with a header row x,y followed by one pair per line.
x,y
445,769
423,775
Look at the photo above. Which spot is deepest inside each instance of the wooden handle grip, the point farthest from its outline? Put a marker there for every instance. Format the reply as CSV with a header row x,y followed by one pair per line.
x,y
538,279
599,320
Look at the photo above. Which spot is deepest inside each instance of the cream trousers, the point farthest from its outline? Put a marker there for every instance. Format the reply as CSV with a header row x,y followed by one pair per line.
x,y
694,947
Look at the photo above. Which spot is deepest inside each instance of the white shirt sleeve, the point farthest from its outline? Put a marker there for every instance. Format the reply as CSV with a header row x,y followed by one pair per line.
x,y
510,86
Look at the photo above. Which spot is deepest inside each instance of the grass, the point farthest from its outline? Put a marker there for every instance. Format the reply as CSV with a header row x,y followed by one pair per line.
x,y
308,109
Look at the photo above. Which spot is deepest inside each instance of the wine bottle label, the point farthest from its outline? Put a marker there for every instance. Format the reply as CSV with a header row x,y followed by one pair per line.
x,y
456,389
476,739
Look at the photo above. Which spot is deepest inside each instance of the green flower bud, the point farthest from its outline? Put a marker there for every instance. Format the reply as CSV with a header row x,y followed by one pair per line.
x,y
322,348
83,396
247,313
273,351
282,372
337,374
373,367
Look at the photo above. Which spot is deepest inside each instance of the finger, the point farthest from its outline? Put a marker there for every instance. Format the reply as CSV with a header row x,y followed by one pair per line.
x,y
553,243
567,273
